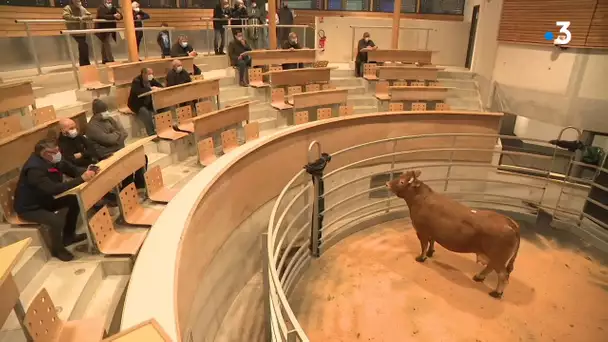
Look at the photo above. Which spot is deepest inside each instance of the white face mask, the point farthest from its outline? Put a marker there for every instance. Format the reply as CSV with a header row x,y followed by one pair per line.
x,y
366,39
295,41
105,115
150,77
73,133
184,44
56,158
109,5
179,69
136,9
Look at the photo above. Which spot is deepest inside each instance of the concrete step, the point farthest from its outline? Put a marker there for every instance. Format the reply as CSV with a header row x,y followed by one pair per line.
x,y
107,301
467,103
159,159
28,266
212,62
10,234
347,81
362,100
365,109
261,110
234,100
149,147
342,73
267,123
456,74
458,83
232,91
358,90
463,93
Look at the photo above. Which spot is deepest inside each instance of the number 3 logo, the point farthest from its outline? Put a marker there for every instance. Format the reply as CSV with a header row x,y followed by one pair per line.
x,y
561,39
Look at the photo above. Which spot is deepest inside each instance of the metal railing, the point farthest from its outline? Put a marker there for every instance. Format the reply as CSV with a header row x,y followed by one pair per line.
x,y
291,233
353,28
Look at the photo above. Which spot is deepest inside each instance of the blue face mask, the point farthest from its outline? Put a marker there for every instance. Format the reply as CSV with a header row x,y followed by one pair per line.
x,y
56,158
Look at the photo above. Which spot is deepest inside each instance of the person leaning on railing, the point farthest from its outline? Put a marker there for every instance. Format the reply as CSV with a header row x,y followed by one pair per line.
x,y
221,13
292,44
76,15
239,13
139,16
365,44
108,12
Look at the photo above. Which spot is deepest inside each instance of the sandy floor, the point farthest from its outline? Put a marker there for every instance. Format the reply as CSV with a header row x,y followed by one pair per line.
x,y
369,288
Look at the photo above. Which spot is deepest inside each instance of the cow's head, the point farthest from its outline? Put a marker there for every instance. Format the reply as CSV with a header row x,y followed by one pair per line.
x,y
407,182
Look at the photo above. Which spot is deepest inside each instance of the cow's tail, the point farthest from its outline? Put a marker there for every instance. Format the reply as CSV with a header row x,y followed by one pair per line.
x,y
515,228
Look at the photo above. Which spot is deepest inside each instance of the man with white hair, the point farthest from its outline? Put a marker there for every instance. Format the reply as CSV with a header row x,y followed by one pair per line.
x,y
138,16
177,75
75,147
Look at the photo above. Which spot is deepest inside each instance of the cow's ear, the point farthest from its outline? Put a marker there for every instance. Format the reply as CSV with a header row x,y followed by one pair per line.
x,y
417,174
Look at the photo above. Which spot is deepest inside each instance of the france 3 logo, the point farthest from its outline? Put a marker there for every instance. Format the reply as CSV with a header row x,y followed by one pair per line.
x,y
565,35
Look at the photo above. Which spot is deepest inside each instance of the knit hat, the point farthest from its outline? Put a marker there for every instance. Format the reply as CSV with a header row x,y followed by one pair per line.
x,y
99,106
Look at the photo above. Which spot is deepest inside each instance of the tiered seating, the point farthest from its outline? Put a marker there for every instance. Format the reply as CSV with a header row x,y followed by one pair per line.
x,y
132,210
183,93
155,186
420,57
294,81
278,57
420,98
111,242
91,81
333,98
16,96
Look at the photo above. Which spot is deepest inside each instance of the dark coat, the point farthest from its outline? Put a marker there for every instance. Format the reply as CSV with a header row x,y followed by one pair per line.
x,y
362,56
143,16
175,78
235,49
179,51
106,13
165,49
107,135
40,180
79,144
220,13
237,15
138,87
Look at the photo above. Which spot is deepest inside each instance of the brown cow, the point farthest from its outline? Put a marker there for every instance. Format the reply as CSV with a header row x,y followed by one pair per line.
x,y
435,217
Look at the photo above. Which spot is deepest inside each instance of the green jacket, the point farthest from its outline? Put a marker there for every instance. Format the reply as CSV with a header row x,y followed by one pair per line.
x,y
76,17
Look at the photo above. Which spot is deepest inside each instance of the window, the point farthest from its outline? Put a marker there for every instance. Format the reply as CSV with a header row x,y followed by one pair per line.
x,y
442,6
198,3
304,4
157,3
38,3
407,6
348,5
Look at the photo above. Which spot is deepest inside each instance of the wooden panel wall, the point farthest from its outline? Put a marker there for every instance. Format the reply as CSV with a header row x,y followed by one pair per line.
x,y
307,17
527,21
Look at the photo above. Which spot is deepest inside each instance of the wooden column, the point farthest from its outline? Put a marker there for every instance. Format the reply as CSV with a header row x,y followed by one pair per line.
x,y
127,18
272,26
396,18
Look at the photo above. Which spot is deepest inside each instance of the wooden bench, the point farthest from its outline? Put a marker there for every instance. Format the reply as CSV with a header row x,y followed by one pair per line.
x,y
148,331
164,127
279,57
403,56
155,186
9,292
112,172
303,76
17,95
123,73
408,72
91,81
187,92
315,99
409,93
43,115
111,242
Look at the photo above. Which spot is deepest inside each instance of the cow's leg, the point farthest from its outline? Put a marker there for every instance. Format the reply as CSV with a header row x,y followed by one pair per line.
x,y
481,276
424,246
431,249
503,280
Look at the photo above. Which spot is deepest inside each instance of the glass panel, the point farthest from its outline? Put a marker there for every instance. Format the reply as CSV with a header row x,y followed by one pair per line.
x,y
408,6
39,3
442,6
302,4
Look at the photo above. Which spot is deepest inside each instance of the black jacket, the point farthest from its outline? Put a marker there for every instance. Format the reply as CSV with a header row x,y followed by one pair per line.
x,y
235,49
165,49
288,45
108,14
143,16
40,180
175,78
362,56
79,144
179,51
137,88
220,13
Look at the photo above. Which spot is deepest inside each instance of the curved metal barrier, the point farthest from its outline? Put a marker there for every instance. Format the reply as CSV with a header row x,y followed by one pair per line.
x,y
296,230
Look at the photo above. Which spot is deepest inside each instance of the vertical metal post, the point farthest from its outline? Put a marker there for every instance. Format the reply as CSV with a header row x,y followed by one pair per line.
x,y
30,40
143,39
391,171
20,313
208,41
266,289
426,42
304,35
314,233
447,175
71,52
92,47
352,51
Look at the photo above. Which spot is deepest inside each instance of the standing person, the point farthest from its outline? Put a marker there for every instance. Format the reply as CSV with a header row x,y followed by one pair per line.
x,y
41,179
76,15
143,106
292,44
164,41
107,11
182,49
285,18
365,45
221,13
236,52
138,16
256,17
239,13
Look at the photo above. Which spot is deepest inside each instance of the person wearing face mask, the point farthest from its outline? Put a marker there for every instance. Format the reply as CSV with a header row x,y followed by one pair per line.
x,y
107,11
365,45
256,17
41,179
138,17
177,74
238,58
75,147
76,16
285,18
182,48
239,14
143,106
292,44
221,13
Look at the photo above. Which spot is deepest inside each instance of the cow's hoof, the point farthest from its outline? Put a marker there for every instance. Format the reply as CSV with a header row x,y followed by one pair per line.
x,y
430,253
478,279
420,258
496,294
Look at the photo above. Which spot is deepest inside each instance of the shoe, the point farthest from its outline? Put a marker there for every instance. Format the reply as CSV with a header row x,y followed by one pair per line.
x,y
63,254
74,239
243,84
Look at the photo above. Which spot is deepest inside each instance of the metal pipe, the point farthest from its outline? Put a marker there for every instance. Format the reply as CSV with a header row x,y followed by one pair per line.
x,y
118,29
266,288
143,39
30,40
73,59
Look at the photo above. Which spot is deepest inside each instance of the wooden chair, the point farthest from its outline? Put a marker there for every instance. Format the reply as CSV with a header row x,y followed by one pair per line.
x,y
252,131
148,331
395,107
320,64
324,113
256,79
346,110
157,191
419,106
442,106
44,114
197,77
313,87
294,90
433,84
7,197
400,83
184,118
133,212
44,325
275,68
369,71
206,151
382,90
229,140
277,99
203,107
111,242
90,80
10,125
122,99
300,117
164,127
417,83
328,86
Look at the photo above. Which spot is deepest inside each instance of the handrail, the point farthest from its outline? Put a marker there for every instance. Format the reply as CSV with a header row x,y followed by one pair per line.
x,y
51,21
354,27
401,28
118,29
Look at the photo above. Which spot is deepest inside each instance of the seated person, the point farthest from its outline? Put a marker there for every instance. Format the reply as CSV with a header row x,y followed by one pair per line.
x,y
143,107
75,147
177,75
183,49
108,136
365,45
40,180
164,41
292,44
236,52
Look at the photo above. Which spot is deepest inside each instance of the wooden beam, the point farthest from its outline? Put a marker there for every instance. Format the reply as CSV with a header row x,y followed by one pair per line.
x,y
127,13
396,18
272,25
